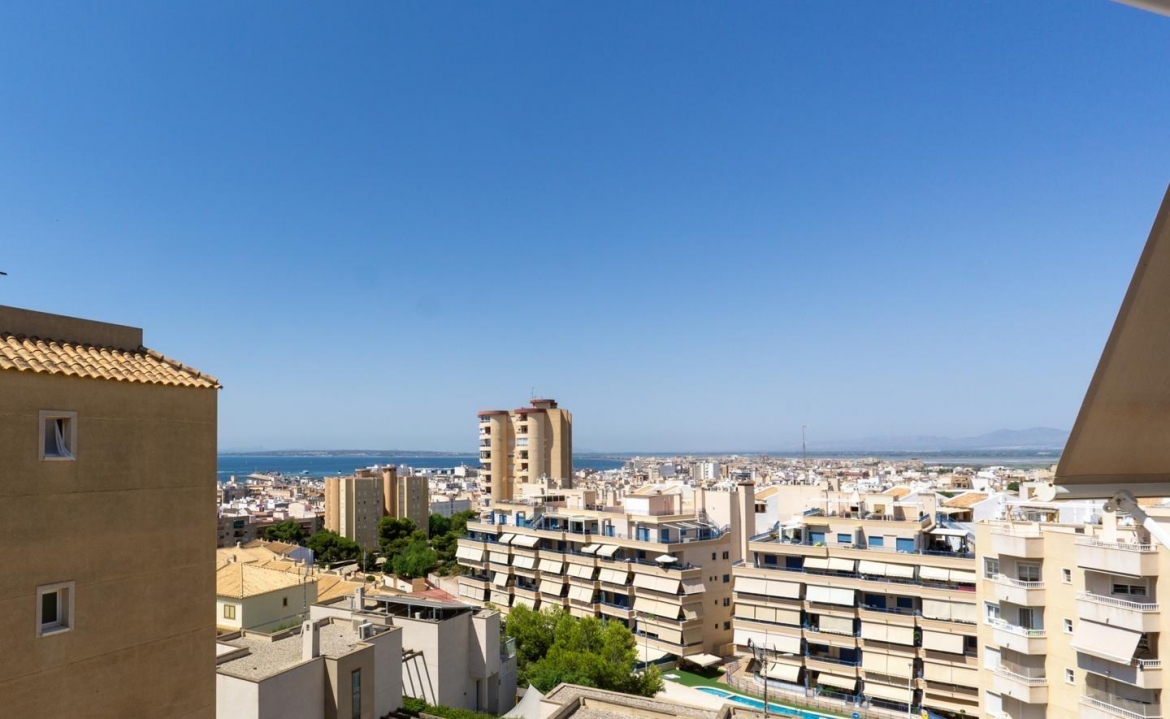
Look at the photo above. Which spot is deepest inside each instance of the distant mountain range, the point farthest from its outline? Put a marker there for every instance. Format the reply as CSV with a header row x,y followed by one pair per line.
x,y
1037,438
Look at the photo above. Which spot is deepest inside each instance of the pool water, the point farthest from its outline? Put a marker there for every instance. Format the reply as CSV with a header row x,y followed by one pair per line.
x,y
758,704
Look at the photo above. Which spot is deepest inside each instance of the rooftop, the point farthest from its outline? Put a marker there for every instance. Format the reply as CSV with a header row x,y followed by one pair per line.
x,y
239,581
51,344
266,657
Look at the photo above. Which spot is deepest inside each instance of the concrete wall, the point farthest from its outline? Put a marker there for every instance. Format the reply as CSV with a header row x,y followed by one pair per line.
x,y
298,693
339,672
388,665
130,520
442,676
268,610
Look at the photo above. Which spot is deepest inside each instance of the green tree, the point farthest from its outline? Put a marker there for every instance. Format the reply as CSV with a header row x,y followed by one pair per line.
x,y
415,561
553,647
1013,486
392,528
289,531
438,525
329,547
459,521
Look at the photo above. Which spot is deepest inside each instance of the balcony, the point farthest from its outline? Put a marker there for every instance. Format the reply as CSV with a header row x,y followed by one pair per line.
x,y
1135,616
1143,673
1016,542
1139,560
1016,591
1025,684
1019,639
1096,704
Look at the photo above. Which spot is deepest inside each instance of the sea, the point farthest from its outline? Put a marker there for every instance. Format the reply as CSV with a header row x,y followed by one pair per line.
x,y
318,466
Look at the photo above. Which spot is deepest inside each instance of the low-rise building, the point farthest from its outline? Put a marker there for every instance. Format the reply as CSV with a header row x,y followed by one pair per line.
x,y
251,597
325,669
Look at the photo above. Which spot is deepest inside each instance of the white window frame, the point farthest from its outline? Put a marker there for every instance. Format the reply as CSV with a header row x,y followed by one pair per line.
x,y
1068,626
65,621
1070,676
45,415
1066,576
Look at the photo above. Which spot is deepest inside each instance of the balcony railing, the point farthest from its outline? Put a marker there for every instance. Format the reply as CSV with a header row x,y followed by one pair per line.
x,y
1003,579
1115,602
1027,533
1034,677
1016,629
1123,546
1119,706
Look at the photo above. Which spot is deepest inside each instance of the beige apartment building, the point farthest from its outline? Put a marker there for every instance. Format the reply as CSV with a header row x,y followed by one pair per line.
x,y
867,599
656,563
525,446
1072,625
353,507
100,616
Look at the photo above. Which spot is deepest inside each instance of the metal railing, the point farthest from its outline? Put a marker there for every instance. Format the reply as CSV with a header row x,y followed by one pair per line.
x,y
1115,602
1016,629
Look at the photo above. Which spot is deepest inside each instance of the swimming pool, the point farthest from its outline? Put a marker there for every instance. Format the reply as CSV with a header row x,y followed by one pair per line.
x,y
758,704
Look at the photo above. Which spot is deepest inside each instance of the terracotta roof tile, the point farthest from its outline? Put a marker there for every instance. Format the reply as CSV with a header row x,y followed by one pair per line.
x,y
32,354
239,581
966,500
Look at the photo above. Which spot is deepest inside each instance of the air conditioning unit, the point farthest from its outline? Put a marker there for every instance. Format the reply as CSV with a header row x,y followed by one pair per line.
x,y
365,630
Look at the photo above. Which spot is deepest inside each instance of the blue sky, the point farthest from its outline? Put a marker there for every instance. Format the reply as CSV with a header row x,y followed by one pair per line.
x,y
698,226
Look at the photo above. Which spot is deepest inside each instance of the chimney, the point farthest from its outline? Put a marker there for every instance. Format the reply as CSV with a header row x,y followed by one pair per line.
x,y
310,641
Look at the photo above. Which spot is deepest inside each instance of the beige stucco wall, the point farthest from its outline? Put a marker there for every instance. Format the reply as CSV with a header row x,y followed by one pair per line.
x,y
338,696
130,520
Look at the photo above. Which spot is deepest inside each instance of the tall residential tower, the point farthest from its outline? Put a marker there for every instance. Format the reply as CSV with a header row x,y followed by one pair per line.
x,y
525,446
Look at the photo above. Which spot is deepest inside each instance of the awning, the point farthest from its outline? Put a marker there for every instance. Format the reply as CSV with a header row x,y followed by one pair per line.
x,y
498,557
963,576
554,566
470,554
580,571
841,565
836,625
666,585
692,586
551,586
581,594
703,660
500,579
849,684
614,576
872,568
830,595
936,574
591,549
608,550
945,532
942,642
524,562
502,599
816,562
887,692
901,571
1119,438
649,654
506,538
1101,640
525,601
783,672
525,540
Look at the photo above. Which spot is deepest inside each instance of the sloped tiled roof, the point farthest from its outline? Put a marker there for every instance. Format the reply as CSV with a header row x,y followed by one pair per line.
x,y
966,500
31,354
897,492
239,581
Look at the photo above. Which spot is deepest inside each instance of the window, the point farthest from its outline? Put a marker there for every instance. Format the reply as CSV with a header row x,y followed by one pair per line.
x,y
992,611
1028,572
990,567
844,538
1070,676
906,545
877,541
54,608
1133,590
1068,626
727,625
285,601
229,611
1029,618
712,556
727,555
355,685
726,578
58,435
1066,576
727,601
